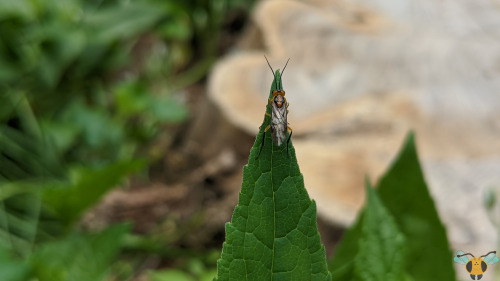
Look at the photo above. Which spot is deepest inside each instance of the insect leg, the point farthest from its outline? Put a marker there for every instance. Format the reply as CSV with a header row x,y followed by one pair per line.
x,y
269,102
288,140
263,139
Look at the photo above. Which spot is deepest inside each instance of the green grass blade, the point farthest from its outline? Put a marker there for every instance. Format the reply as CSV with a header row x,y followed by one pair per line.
x,y
273,234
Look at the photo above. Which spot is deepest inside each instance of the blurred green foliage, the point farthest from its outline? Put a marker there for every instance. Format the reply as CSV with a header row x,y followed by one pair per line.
x,y
76,257
82,257
85,87
66,81
194,270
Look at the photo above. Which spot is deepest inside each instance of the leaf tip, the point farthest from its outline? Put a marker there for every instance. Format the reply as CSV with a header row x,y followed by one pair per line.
x,y
410,141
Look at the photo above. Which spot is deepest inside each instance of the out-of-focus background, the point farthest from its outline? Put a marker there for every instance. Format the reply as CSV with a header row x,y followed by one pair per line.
x,y
143,112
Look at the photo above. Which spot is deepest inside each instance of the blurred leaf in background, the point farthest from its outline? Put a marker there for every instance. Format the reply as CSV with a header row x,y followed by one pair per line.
x,y
79,256
67,201
196,271
12,269
406,201
382,245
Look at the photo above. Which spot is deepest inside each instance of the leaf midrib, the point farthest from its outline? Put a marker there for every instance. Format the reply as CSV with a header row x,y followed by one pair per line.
x,y
274,212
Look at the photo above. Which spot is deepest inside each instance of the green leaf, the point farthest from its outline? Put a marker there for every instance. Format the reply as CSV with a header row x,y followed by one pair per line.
x,y
97,127
133,99
68,201
405,194
374,248
168,110
9,189
208,275
21,9
78,257
170,275
109,24
342,263
23,155
273,234
62,135
381,247
12,269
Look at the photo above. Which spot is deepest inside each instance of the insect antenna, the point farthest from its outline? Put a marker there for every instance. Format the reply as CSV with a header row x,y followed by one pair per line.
x,y
466,255
275,80
494,252
283,72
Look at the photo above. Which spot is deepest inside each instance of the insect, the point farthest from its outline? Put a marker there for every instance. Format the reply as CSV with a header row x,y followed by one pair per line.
x,y
279,110
476,266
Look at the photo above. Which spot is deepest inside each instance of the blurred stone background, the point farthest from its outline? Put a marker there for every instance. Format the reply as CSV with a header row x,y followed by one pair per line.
x,y
362,74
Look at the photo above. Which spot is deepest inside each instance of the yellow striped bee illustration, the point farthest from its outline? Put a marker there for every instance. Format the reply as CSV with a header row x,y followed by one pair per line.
x,y
476,266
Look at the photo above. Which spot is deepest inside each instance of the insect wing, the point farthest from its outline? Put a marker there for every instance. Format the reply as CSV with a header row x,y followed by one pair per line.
x,y
278,123
491,258
462,259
